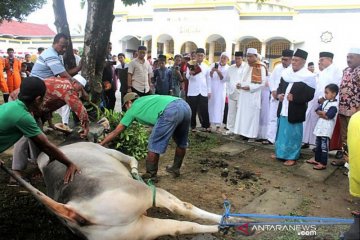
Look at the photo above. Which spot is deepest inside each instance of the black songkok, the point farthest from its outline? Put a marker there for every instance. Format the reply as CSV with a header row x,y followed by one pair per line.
x,y
327,54
287,53
301,54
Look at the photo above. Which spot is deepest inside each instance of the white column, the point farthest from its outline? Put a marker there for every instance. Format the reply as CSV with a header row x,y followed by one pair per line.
x,y
154,47
187,47
177,47
237,47
263,49
211,51
292,46
228,49
146,44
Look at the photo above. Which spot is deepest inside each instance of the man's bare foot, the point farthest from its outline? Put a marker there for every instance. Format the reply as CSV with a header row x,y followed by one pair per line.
x,y
273,156
289,163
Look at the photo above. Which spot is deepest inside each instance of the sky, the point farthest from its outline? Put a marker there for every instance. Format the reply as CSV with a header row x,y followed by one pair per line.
x,y
75,15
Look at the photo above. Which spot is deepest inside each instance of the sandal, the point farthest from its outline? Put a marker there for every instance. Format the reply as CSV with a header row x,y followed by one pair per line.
x,y
338,163
266,142
319,167
290,163
312,161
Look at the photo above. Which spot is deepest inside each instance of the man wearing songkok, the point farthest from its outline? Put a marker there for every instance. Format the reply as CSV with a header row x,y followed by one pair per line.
x,y
199,90
296,89
218,90
328,74
249,103
274,82
311,67
233,77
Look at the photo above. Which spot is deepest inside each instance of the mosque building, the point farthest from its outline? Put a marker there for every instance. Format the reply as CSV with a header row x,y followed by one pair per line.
x,y
180,26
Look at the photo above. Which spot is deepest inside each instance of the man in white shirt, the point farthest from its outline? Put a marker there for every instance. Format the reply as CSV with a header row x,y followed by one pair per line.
x,y
274,82
139,74
249,103
233,77
328,74
199,90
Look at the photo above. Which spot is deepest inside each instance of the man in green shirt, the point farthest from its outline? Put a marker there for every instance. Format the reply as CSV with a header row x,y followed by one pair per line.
x,y
16,121
170,117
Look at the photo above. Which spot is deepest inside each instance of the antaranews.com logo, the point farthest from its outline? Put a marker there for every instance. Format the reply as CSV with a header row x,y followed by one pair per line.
x,y
249,229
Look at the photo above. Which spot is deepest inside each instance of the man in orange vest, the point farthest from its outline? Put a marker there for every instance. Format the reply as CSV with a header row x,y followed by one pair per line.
x,y
3,84
13,69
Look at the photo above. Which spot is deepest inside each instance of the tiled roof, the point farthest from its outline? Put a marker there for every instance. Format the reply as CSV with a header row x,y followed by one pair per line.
x,y
25,29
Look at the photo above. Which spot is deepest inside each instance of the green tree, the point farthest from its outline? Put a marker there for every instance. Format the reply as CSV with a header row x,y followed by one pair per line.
x,y
62,26
18,9
97,35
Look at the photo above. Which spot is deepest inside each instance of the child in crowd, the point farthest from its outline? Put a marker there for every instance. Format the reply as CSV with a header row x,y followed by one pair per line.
x,y
324,127
23,71
162,79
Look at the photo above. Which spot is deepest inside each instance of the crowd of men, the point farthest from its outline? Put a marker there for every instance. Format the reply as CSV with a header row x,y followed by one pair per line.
x,y
292,107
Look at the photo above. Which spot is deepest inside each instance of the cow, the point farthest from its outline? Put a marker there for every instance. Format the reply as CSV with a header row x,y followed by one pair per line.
x,y
105,202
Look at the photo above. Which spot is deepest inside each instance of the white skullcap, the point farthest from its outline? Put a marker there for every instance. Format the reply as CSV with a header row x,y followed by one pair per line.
x,y
80,79
252,51
354,50
224,54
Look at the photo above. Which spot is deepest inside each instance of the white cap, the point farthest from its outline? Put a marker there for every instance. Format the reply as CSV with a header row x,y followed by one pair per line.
x,y
80,79
224,54
252,51
354,50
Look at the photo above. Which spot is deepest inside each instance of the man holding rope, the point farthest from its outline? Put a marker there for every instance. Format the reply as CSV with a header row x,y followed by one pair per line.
x,y
16,120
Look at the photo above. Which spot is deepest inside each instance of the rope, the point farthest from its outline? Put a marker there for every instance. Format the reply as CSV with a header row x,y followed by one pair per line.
x,y
301,220
150,184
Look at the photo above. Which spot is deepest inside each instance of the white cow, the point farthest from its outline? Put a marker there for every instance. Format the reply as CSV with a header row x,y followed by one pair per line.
x,y
105,202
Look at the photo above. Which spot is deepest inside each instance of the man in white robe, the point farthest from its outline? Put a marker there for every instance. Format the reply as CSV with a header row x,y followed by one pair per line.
x,y
233,77
274,82
249,102
265,105
217,77
328,74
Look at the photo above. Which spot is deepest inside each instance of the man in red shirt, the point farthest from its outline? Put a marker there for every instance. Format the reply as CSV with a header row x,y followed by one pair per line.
x,y
59,92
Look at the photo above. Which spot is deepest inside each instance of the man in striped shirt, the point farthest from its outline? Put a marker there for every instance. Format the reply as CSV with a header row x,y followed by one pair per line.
x,y
50,63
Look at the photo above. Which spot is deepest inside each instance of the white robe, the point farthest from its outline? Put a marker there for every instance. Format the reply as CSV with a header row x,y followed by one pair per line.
x,y
233,77
329,75
265,110
216,103
274,82
249,105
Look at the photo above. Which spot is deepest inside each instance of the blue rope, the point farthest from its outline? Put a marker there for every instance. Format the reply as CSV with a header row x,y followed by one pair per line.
x,y
303,220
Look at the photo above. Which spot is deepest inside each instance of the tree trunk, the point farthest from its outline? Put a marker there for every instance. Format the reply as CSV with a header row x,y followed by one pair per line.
x,y
62,26
97,35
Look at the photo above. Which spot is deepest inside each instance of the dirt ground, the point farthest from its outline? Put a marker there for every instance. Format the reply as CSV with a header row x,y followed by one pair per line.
x,y
203,182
